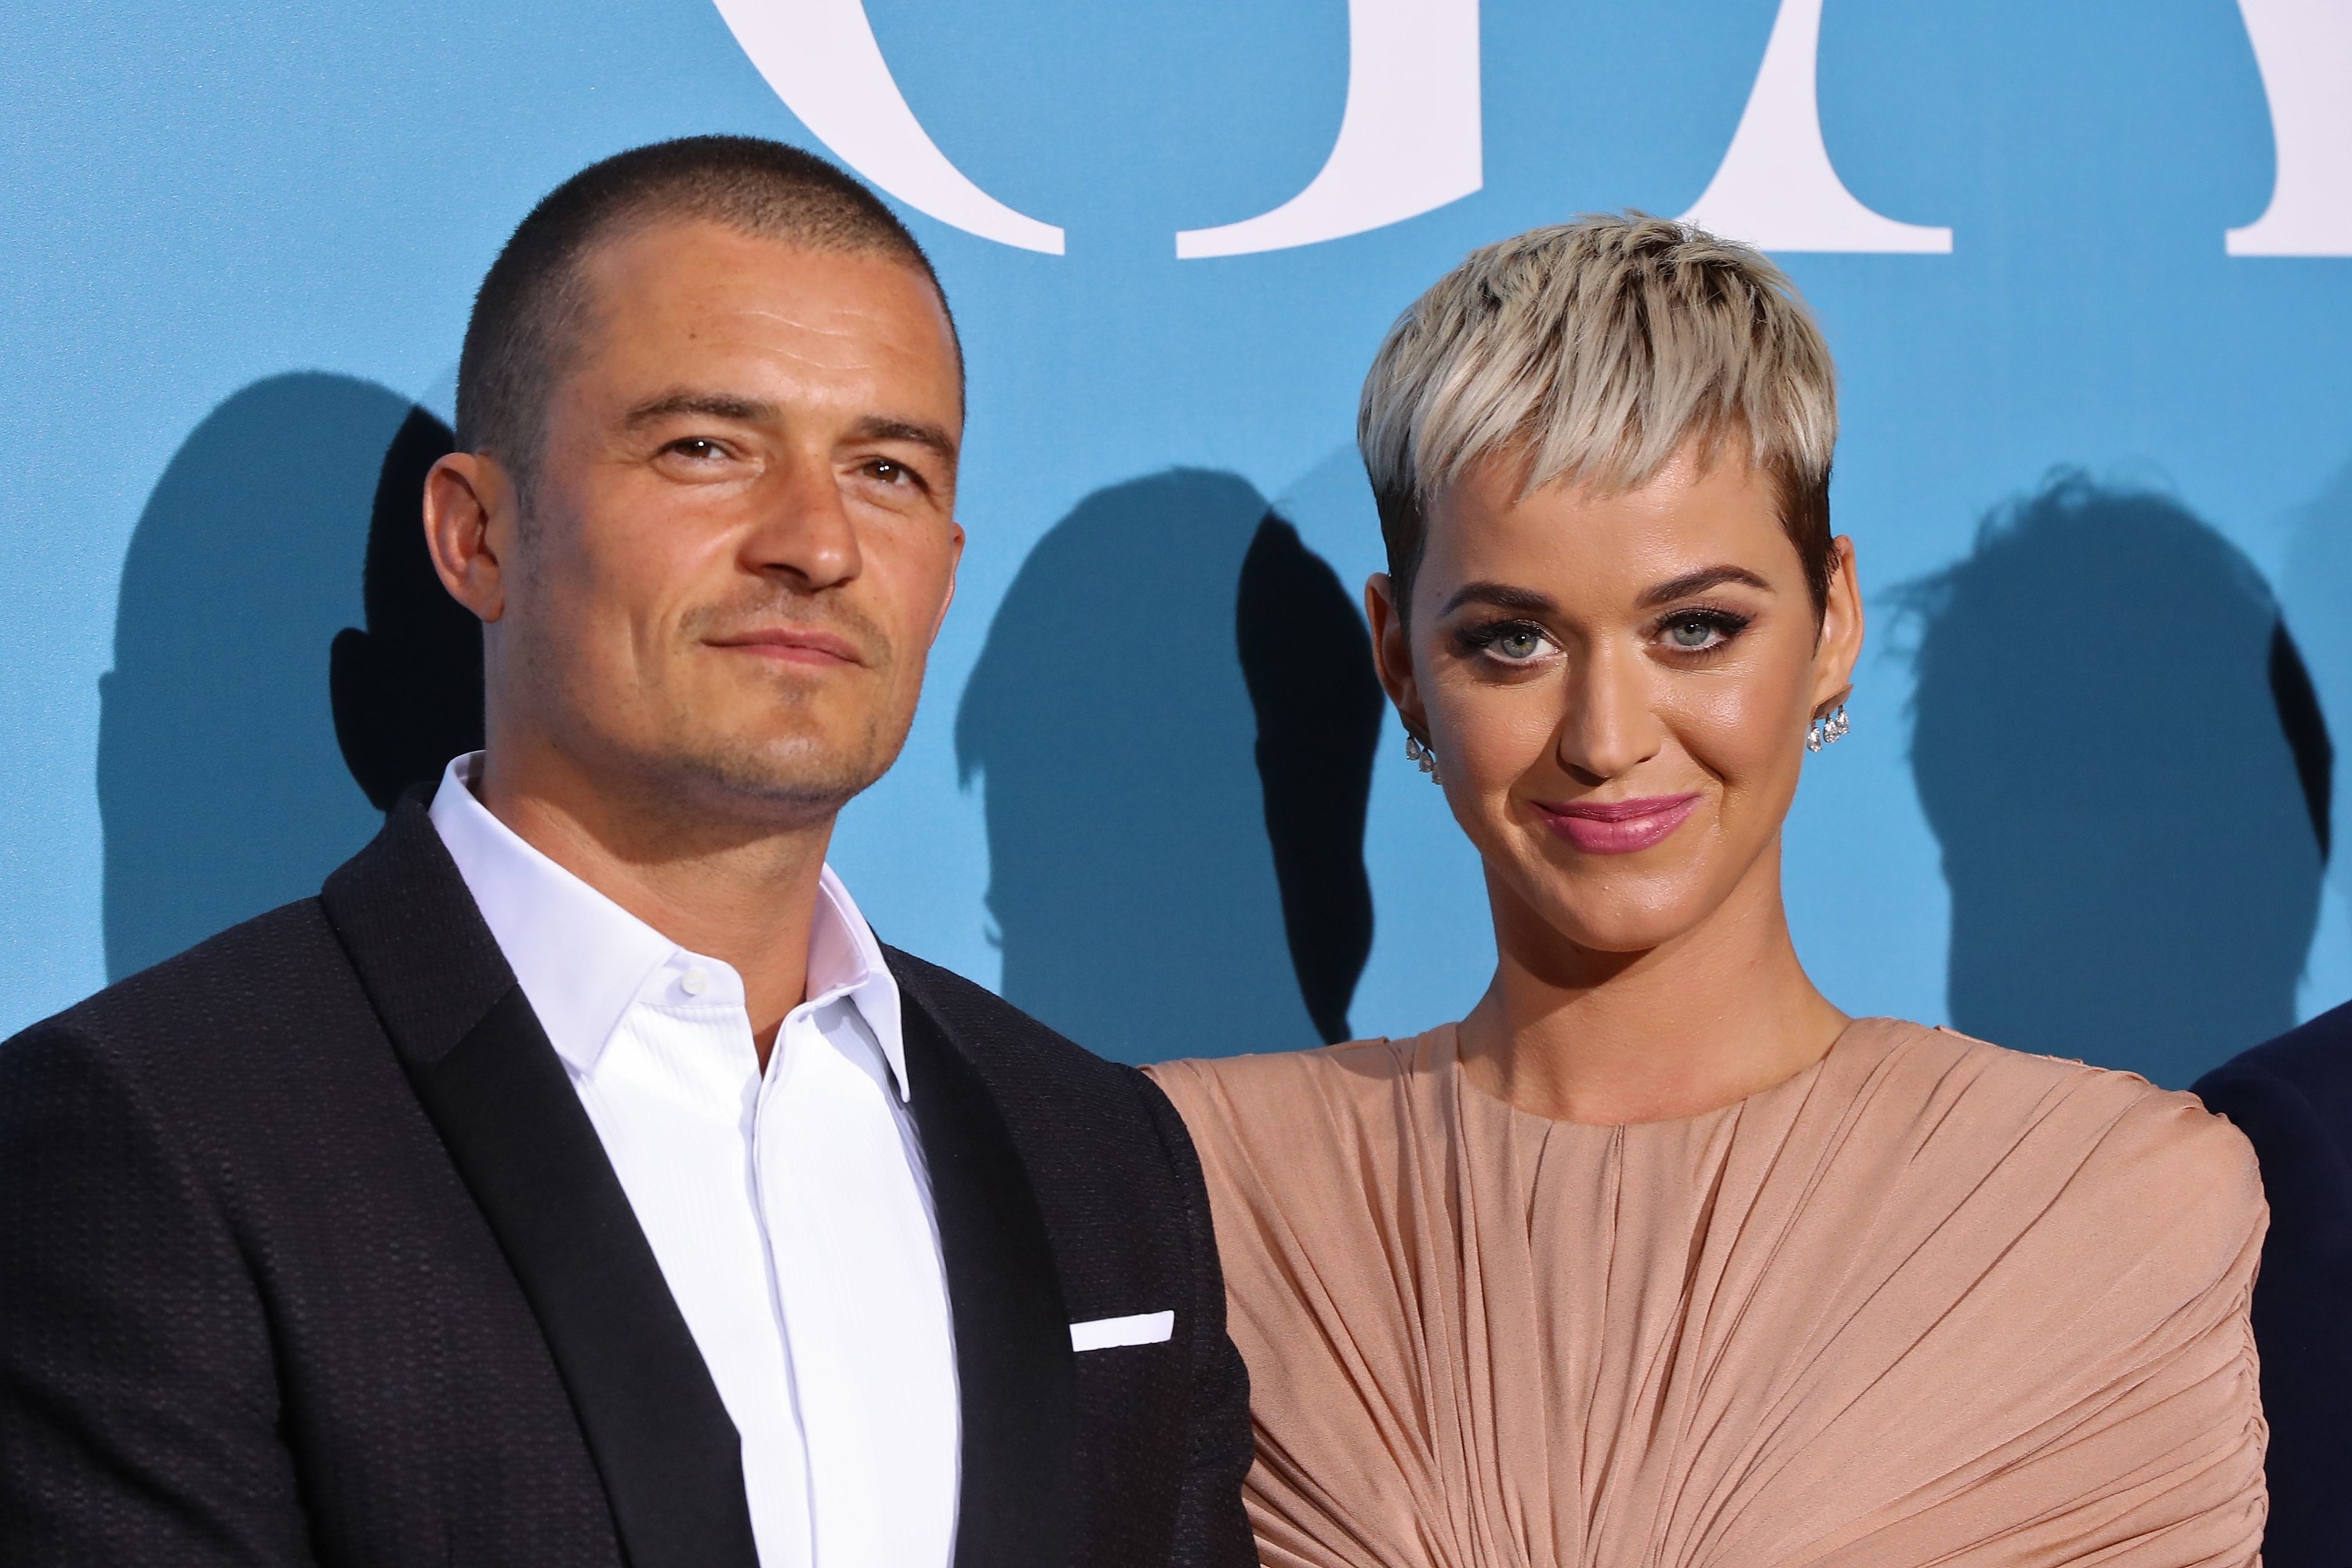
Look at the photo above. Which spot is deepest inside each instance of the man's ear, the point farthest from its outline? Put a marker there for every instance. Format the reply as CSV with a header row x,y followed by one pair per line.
x,y
470,522
1393,653
955,560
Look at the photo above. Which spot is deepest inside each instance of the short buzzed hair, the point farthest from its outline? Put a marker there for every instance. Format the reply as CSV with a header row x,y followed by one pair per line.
x,y
1595,351
529,311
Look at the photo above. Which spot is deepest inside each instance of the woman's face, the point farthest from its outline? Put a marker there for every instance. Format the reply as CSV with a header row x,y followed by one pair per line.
x,y
1617,689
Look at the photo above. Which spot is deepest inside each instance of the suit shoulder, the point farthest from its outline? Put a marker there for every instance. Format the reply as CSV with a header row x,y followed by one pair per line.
x,y
2312,1062
242,969
1053,1090
987,1020
182,1019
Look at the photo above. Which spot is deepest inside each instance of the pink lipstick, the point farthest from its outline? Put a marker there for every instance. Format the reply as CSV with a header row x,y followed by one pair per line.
x,y
1617,826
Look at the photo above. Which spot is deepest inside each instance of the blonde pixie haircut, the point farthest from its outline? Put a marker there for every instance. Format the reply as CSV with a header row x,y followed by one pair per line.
x,y
1594,352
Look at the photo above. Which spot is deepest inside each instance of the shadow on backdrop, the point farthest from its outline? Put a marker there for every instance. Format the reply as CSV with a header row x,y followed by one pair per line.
x,y
2315,588
1307,658
220,785
2119,746
1134,771
407,692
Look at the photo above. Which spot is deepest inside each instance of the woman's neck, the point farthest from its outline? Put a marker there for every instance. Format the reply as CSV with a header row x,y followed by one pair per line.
x,y
1719,1014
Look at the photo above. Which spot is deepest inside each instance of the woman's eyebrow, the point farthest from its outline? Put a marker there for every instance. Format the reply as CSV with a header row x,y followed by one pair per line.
x,y
1502,596
1700,581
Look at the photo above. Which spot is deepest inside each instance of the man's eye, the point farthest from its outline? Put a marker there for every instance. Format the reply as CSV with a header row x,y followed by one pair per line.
x,y
701,449
889,472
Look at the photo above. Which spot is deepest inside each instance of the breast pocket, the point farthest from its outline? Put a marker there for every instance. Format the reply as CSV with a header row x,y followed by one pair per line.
x,y
1111,1333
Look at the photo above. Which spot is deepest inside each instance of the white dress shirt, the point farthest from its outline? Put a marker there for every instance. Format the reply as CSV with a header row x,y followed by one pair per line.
x,y
790,1211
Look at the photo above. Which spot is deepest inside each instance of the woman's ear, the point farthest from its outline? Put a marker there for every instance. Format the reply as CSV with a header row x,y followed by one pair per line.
x,y
1393,653
1840,645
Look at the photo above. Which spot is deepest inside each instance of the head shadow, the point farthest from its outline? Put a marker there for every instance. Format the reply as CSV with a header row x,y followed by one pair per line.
x,y
407,690
2117,744
1175,716
222,788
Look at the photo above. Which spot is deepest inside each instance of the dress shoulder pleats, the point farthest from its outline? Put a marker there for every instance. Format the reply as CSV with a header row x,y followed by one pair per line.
x,y
1929,1301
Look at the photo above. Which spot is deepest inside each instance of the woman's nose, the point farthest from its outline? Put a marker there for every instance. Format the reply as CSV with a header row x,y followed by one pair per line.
x,y
1610,727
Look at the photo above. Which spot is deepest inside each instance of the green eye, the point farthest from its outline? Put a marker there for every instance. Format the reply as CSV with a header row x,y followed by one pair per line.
x,y
1519,644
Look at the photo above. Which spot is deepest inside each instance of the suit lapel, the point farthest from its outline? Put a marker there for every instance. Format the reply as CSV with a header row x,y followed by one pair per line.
x,y
1016,1375
663,1444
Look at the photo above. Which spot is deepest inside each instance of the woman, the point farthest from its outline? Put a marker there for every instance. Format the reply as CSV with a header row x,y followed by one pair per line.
x,y
1657,1258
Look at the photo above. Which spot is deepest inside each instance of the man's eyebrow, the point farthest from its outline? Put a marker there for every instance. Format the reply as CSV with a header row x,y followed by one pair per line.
x,y
710,404
1700,581
913,430
1502,596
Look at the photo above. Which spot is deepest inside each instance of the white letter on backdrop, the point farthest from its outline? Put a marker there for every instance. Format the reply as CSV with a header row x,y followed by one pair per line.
x,y
1777,189
822,59
1409,138
2305,51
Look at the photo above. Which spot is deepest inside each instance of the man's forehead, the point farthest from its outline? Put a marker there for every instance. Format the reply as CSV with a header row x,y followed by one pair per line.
x,y
697,289
685,265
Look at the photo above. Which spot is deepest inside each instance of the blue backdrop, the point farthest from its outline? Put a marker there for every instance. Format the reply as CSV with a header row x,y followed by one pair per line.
x,y
2099,466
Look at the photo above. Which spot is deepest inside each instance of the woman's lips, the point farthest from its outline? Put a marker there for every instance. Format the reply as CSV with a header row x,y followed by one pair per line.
x,y
1617,826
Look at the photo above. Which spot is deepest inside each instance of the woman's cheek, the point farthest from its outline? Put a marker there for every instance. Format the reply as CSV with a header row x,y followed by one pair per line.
x,y
1499,732
1721,729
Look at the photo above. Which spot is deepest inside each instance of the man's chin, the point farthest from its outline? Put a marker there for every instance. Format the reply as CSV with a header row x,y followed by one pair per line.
x,y
797,778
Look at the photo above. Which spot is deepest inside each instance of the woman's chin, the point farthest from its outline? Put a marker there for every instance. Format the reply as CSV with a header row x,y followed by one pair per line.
x,y
1616,925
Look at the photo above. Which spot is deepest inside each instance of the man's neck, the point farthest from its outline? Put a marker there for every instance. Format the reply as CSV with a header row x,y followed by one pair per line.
x,y
743,892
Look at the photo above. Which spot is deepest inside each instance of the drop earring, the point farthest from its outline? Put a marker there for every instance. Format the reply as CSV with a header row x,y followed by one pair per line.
x,y
1419,751
1827,730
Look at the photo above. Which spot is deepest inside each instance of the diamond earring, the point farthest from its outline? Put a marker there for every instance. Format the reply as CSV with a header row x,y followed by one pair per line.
x,y
1827,730
1418,749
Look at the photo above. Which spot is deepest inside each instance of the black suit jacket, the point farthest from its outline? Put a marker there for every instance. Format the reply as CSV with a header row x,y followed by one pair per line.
x,y
310,1253
2292,1099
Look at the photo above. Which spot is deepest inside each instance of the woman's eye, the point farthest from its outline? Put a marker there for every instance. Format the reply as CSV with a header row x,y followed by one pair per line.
x,y
1505,642
1692,634
1700,631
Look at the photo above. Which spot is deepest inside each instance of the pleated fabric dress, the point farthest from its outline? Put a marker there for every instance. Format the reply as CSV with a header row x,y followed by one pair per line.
x,y
1928,1301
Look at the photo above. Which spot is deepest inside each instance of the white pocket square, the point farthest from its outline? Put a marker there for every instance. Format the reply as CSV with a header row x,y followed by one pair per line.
x,y
1102,1333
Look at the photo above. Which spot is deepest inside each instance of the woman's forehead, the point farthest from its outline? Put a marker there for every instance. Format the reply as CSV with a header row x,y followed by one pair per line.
x,y
1724,511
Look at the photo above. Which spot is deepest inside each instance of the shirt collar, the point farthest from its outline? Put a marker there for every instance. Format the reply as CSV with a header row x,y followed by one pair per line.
x,y
844,960
583,959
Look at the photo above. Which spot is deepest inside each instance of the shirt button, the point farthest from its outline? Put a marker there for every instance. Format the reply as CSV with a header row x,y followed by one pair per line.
x,y
694,983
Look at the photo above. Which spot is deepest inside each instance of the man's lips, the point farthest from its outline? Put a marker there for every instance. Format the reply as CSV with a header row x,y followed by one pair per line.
x,y
1617,826
793,644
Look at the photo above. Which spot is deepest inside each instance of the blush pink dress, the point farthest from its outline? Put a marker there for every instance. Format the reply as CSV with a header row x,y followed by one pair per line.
x,y
1928,1301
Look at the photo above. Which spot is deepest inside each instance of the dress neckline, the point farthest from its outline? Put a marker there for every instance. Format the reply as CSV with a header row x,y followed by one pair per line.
x,y
1450,1064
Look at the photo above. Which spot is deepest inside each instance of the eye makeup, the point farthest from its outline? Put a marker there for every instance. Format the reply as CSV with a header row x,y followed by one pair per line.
x,y
1716,628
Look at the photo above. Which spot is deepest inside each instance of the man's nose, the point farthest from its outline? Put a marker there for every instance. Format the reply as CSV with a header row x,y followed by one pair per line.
x,y
1610,727
806,532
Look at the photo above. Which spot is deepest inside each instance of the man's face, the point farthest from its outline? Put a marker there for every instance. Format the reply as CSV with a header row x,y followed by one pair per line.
x,y
741,536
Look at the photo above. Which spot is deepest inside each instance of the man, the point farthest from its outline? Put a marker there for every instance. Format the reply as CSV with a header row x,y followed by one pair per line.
x,y
2292,1099
576,1180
